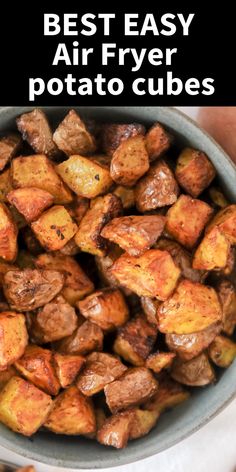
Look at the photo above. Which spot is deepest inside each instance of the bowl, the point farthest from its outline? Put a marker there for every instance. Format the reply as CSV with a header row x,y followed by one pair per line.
x,y
205,403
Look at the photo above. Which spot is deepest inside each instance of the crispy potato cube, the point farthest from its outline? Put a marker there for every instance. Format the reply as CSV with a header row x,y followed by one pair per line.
x,y
72,136
54,228
102,210
157,188
4,268
5,185
6,375
169,395
23,407
217,197
150,307
194,171
38,171
197,372
8,234
107,308
35,129
230,264
28,289
213,251
115,431
135,340
13,338
67,367
190,345
227,296
100,370
30,202
159,361
84,176
225,219
142,422
134,387
192,308
129,161
153,274
36,365
77,284
88,337
179,216
126,195
113,134
222,351
9,146
134,234
158,141
72,413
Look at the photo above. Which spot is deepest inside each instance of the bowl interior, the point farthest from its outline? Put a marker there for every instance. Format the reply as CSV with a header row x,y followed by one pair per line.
x,y
77,452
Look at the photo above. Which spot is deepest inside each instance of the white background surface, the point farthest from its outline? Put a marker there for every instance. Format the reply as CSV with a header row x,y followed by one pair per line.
x,y
212,449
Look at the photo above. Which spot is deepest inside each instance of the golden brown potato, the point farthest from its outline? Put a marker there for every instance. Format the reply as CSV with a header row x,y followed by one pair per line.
x,y
13,338
129,161
8,234
225,219
159,361
106,308
227,296
142,422
113,134
134,387
222,351
9,146
150,307
36,365
4,268
30,202
115,431
158,141
126,195
35,129
38,171
6,375
197,372
100,370
192,308
217,197
230,264
5,185
179,216
72,413
169,394
23,407
28,289
135,340
213,251
67,367
72,136
134,234
194,171
190,345
88,337
102,210
54,228
157,188
153,274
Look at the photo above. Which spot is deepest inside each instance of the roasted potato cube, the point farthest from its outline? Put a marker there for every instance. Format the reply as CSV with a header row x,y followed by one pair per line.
x,y
113,134
77,284
222,351
115,431
129,161
8,234
153,274
192,308
28,289
30,202
107,308
13,338
135,340
5,185
150,307
54,228
169,394
227,296
217,197
134,387
72,136
230,264
102,210
35,129
67,367
100,370
158,141
194,171
9,146
213,251
4,268
88,337
142,422
104,263
38,171
197,372
6,375
190,345
225,219
179,216
126,195
157,188
72,413
134,234
23,407
159,361
36,365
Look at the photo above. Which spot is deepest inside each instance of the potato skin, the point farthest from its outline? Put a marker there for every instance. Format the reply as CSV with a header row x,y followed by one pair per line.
x,y
150,307
158,141
9,146
115,431
30,202
169,394
227,296
159,361
6,375
35,129
72,137
157,188
8,235
5,185
67,367
222,351
13,338
213,251
23,407
196,372
113,134
225,219
194,171
129,161
88,337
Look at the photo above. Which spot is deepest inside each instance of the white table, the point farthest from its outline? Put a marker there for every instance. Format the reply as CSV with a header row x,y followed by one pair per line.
x,y
212,449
